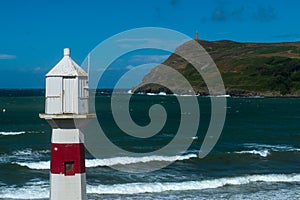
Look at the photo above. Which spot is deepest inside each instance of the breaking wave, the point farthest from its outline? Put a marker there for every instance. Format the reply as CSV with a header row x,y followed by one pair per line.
x,y
12,133
35,165
112,161
36,190
136,188
262,153
265,150
135,160
25,155
40,190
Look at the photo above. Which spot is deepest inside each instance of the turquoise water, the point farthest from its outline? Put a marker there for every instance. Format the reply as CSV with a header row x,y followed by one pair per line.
x,y
257,156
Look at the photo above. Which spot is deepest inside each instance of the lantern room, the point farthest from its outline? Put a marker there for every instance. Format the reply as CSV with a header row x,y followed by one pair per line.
x,y
67,89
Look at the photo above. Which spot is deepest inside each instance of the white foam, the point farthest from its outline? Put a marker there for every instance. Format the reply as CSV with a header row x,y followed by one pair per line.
x,y
262,153
112,161
24,155
136,188
35,165
12,133
134,160
162,93
265,150
152,94
271,147
28,154
40,190
185,95
37,190
221,95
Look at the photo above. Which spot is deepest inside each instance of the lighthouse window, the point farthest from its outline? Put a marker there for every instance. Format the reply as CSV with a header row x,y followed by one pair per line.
x,y
69,168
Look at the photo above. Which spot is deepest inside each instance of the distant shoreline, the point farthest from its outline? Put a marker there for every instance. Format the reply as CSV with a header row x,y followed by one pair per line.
x,y
246,69
235,93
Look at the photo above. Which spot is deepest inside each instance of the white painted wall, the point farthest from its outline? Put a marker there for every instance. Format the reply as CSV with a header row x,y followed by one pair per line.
x,y
54,95
67,136
68,187
70,98
83,95
67,95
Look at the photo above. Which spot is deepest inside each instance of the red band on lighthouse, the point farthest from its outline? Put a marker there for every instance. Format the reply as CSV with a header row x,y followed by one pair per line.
x,y
68,159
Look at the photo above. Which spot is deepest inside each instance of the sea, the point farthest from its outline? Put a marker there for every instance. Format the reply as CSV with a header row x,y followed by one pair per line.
x,y
256,157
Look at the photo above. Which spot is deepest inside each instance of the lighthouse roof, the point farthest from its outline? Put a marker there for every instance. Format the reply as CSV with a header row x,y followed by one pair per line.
x,y
66,67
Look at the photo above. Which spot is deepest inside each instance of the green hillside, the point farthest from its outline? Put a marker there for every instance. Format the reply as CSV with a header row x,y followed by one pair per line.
x,y
268,69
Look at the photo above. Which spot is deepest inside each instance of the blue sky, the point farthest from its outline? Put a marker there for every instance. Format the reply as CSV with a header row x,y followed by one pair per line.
x,y
34,32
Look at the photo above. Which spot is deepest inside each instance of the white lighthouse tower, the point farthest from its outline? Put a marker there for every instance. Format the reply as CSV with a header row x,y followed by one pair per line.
x,y
67,98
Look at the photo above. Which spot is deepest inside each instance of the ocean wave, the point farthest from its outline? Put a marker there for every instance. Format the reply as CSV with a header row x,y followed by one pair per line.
x,y
185,95
106,162
271,147
136,188
165,94
24,155
262,153
222,95
135,160
35,165
36,190
40,189
151,94
29,152
264,150
12,133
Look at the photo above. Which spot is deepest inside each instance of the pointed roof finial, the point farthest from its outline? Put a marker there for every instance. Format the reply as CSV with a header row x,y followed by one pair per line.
x,y
66,67
66,52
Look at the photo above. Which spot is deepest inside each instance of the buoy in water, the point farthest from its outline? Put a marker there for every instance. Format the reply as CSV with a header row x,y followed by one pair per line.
x,y
3,110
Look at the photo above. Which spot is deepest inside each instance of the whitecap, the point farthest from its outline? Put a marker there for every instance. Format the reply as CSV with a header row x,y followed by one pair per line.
x,y
112,161
40,189
35,165
36,190
262,153
162,93
12,133
156,187
151,94
279,147
134,160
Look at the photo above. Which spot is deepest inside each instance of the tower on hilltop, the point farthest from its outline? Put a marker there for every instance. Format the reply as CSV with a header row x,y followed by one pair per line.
x,y
196,36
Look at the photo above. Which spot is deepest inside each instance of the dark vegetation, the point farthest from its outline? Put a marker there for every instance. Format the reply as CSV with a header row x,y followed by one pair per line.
x,y
268,69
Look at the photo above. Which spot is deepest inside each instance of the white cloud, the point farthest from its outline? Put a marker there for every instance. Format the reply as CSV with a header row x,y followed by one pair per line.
x,y
135,40
37,69
7,57
40,69
149,58
129,67
140,43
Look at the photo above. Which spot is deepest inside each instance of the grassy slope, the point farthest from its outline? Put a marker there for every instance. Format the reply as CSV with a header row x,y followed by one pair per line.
x,y
269,69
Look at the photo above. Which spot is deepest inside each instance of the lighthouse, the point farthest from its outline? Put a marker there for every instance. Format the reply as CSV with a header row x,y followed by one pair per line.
x,y
67,111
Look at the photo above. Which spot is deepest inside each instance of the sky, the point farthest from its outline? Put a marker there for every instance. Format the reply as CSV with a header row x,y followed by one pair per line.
x,y
33,33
